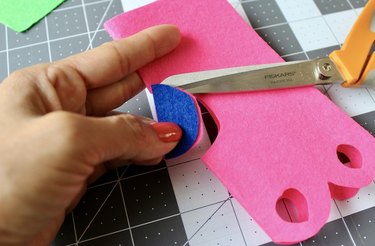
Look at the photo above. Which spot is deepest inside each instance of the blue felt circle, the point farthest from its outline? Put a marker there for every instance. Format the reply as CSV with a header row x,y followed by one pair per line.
x,y
174,105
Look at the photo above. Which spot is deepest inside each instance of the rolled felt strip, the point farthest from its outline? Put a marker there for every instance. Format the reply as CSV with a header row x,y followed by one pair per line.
x,y
174,105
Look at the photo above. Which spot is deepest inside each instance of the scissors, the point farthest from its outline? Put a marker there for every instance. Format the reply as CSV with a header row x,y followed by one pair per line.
x,y
351,66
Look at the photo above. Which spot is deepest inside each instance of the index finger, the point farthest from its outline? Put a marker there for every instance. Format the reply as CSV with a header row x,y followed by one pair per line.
x,y
114,60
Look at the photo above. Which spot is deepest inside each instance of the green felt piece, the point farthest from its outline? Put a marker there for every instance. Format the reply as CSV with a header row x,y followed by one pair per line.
x,y
20,15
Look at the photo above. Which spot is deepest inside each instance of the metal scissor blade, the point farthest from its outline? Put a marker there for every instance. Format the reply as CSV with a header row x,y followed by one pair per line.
x,y
260,77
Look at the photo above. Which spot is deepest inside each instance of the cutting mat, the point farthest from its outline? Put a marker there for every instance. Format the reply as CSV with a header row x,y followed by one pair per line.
x,y
181,202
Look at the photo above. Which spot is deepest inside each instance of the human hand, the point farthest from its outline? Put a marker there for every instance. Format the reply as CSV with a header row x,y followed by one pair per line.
x,y
56,135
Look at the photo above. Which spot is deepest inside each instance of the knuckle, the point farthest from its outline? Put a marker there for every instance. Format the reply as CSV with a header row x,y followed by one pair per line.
x,y
66,128
64,75
54,72
135,127
150,46
121,59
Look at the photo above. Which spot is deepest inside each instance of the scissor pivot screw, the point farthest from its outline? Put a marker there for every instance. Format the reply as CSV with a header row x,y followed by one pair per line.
x,y
325,69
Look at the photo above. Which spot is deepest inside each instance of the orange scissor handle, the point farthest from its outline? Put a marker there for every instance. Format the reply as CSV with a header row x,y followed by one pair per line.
x,y
353,59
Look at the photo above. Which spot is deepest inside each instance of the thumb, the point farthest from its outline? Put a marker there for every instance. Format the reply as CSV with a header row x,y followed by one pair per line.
x,y
132,138
97,140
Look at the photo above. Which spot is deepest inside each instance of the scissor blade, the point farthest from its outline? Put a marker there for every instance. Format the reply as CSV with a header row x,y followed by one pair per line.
x,y
263,77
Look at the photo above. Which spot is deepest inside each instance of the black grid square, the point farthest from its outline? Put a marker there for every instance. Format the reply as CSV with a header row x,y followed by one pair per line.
x,y
27,56
65,23
110,176
367,121
164,232
333,233
331,6
66,47
36,34
320,53
110,218
133,170
149,197
122,238
100,38
66,234
281,38
96,11
358,3
362,226
89,206
263,13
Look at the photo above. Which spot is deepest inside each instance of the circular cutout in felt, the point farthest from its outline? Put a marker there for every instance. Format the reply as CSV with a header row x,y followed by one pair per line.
x,y
177,106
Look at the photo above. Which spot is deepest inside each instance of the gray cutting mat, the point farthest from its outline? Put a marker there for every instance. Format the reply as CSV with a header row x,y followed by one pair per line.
x,y
181,202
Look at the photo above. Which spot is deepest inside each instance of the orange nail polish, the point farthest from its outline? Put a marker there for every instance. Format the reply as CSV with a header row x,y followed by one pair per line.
x,y
167,132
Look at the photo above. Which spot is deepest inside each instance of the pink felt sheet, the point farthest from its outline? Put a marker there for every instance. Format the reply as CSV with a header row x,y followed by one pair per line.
x,y
271,145
214,36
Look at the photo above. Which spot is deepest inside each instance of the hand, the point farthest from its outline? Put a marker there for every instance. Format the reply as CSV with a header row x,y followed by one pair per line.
x,y
57,133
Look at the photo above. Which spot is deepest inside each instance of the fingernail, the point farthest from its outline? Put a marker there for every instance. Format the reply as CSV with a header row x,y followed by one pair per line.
x,y
167,132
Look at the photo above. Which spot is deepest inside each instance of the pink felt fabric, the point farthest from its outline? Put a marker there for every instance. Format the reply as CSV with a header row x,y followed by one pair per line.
x,y
283,140
271,145
214,36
